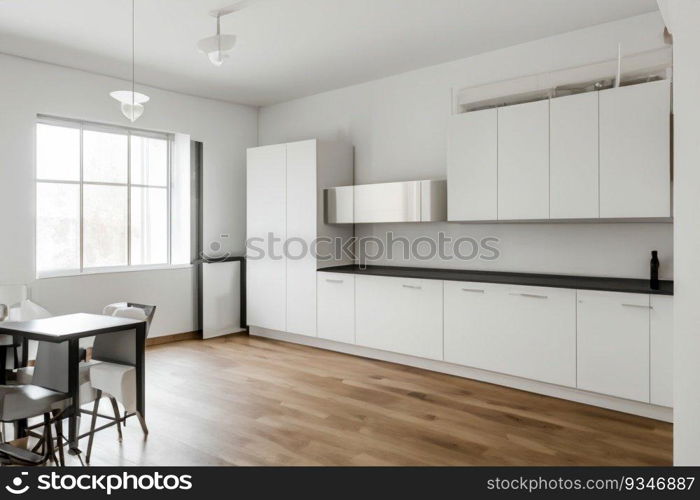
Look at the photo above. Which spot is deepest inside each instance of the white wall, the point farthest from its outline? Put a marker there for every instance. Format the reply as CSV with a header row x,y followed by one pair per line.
x,y
683,17
28,88
398,127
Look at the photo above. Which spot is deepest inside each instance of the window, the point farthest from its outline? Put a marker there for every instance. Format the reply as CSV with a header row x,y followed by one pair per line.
x,y
103,197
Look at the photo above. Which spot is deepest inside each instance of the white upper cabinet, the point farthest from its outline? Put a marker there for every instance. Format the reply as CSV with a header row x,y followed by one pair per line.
x,y
472,166
266,209
523,161
661,344
613,344
635,174
573,188
301,232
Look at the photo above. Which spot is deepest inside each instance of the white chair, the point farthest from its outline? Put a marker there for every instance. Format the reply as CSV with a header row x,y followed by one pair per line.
x,y
113,372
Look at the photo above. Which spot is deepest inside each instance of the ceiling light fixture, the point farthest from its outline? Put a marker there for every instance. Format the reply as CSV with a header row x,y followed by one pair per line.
x,y
131,101
218,47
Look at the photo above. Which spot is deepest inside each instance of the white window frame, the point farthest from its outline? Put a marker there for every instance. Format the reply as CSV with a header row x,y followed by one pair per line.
x,y
129,132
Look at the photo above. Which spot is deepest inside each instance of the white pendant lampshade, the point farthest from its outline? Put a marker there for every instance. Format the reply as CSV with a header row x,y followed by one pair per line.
x,y
217,47
131,103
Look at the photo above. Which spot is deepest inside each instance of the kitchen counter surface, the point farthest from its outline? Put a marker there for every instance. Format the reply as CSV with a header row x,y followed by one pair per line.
x,y
528,279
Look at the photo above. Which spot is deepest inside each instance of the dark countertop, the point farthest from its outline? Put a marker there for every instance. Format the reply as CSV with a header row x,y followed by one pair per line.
x,y
528,279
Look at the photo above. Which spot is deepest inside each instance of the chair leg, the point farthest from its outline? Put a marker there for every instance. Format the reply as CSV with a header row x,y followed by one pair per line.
x,y
48,438
117,416
59,439
142,421
93,422
125,415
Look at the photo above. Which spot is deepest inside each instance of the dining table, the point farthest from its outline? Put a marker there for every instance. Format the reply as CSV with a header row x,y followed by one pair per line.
x,y
71,328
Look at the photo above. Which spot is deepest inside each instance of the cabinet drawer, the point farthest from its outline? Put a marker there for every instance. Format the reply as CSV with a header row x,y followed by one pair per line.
x,y
613,344
399,315
529,332
336,307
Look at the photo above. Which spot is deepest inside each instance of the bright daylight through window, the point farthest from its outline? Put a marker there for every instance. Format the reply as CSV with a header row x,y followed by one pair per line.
x,y
102,198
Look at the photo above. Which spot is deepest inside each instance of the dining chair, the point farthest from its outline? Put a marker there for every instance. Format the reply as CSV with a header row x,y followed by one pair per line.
x,y
113,372
47,395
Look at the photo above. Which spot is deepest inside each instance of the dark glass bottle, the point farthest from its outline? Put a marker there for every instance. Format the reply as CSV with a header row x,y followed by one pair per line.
x,y
654,268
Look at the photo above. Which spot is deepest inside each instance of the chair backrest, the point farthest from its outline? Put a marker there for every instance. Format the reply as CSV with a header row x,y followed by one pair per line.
x,y
51,366
118,347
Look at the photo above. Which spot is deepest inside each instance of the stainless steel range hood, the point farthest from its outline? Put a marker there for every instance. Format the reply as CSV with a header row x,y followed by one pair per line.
x,y
411,201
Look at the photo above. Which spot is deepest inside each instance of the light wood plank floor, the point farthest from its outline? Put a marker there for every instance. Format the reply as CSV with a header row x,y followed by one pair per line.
x,y
241,400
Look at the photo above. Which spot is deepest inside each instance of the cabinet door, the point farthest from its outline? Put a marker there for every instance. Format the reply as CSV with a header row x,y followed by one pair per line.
x,y
661,345
472,166
523,161
635,173
336,307
399,315
573,168
266,207
301,232
529,332
613,344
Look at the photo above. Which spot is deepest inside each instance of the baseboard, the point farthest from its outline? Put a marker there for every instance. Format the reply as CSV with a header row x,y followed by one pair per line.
x,y
175,337
569,393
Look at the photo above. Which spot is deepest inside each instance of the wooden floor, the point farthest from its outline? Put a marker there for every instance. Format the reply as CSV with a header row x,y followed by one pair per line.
x,y
243,400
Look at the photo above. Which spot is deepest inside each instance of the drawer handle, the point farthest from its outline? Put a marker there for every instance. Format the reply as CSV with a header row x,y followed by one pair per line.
x,y
637,306
475,290
414,287
333,281
531,295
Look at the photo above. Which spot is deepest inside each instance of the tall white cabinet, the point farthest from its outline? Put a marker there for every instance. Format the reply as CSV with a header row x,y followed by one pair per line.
x,y
285,185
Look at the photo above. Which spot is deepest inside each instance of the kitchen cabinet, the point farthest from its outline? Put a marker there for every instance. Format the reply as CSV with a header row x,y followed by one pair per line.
x,y
573,175
285,184
661,345
635,173
266,208
472,166
399,315
523,161
524,331
301,208
336,307
613,344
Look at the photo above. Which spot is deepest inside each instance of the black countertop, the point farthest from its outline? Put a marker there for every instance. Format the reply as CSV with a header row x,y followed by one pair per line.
x,y
528,279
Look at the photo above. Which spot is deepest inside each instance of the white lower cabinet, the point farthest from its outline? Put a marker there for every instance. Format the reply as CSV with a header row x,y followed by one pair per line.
x,y
523,331
613,344
336,307
661,344
400,315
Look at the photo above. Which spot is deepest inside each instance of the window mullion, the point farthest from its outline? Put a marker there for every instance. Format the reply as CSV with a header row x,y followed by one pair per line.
x,y
128,198
81,252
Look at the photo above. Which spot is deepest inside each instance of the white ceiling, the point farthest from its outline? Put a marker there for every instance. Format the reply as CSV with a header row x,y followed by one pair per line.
x,y
286,48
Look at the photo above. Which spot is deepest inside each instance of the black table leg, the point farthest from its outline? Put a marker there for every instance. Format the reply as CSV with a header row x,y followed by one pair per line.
x,y
25,352
140,369
3,365
74,391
